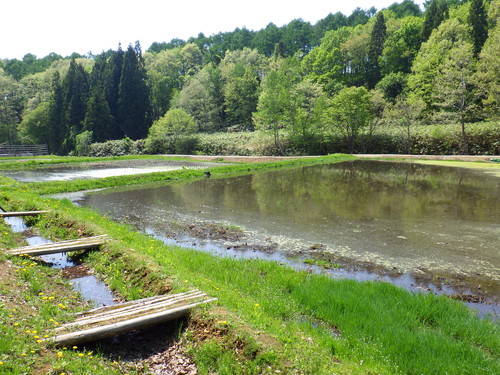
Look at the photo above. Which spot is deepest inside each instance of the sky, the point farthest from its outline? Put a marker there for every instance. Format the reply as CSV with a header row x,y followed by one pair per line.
x,y
67,26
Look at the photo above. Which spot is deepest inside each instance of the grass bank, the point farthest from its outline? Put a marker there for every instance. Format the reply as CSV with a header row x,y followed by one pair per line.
x,y
268,318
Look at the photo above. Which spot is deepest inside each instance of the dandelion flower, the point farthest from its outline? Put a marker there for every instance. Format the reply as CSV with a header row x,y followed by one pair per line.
x,y
59,354
75,347
80,354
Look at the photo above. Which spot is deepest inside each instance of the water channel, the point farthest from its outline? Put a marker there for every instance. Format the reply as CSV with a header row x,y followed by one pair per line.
x,y
415,222
90,288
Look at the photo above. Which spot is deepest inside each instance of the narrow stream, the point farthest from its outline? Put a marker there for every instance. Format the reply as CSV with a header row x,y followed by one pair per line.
x,y
89,287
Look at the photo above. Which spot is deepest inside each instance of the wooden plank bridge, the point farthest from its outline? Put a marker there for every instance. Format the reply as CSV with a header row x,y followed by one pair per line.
x,y
22,213
112,320
59,247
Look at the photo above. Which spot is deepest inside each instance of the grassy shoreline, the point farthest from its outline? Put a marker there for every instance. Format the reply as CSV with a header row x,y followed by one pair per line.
x,y
272,318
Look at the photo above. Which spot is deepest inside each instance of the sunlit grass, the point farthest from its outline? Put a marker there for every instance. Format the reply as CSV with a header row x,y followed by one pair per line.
x,y
283,319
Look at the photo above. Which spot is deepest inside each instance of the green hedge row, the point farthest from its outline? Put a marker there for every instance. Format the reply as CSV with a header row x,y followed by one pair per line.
x,y
483,139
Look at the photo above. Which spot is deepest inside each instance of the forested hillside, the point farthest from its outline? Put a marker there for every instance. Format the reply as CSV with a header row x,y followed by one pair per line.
x,y
363,82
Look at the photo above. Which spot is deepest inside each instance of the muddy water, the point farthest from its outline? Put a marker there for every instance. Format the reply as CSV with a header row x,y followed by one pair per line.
x,y
414,218
100,170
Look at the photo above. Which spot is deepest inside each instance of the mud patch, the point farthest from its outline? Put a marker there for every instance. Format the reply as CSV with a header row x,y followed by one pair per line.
x,y
77,271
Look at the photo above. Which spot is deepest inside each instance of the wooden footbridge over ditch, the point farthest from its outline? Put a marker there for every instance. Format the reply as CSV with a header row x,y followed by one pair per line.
x,y
107,321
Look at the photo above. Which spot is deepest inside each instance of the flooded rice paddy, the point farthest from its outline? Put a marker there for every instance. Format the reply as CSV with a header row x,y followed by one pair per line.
x,y
99,170
441,225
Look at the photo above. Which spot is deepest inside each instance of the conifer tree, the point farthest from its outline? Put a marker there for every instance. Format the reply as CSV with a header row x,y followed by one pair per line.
x,y
377,40
133,102
75,93
98,118
55,130
479,25
435,14
111,88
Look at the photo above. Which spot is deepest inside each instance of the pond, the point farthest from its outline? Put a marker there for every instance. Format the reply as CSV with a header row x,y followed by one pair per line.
x,y
100,170
396,216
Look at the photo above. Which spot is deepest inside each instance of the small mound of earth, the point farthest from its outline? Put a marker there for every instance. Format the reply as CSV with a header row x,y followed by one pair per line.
x,y
76,272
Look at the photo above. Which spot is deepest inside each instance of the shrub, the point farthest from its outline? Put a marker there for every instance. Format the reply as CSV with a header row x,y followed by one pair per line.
x,y
118,147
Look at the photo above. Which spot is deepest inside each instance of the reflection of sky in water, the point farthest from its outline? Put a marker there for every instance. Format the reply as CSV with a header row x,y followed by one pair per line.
x,y
73,174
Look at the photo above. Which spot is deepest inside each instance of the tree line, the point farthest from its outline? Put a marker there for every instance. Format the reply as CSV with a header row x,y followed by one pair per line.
x,y
396,66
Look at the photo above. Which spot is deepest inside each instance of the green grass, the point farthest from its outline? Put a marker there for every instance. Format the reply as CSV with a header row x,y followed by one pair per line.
x,y
273,318
35,301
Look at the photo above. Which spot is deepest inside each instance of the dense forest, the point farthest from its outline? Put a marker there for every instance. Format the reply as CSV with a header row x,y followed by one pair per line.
x,y
300,84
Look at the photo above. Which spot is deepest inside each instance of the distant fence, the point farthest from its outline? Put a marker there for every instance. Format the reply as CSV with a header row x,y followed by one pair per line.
x,y
23,150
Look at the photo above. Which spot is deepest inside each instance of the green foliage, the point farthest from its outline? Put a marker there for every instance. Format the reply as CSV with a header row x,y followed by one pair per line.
x,y
134,110
376,46
119,147
488,72
350,112
33,128
176,123
202,98
83,142
479,24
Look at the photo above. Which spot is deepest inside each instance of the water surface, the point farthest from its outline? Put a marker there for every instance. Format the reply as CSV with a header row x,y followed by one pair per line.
x,y
415,218
100,170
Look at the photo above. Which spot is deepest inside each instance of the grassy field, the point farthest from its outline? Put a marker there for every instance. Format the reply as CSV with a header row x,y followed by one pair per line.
x,y
268,318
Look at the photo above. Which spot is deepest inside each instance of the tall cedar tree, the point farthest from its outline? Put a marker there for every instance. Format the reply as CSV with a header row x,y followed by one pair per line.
x,y
75,91
133,103
479,24
111,89
98,117
55,131
377,40
435,14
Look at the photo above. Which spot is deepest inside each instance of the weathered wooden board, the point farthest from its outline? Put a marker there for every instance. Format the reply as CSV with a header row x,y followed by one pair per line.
x,y
108,321
21,213
59,247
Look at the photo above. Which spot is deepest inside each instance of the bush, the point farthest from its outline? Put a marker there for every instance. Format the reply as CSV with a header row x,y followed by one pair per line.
x,y
118,147
83,143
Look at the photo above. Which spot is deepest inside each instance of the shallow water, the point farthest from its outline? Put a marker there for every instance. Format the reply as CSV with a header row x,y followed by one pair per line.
x,y
416,218
90,288
100,170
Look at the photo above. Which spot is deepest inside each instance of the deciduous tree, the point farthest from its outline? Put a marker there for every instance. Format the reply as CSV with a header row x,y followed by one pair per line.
x,y
349,111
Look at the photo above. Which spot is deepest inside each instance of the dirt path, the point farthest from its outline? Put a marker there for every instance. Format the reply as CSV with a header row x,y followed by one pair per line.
x,y
260,159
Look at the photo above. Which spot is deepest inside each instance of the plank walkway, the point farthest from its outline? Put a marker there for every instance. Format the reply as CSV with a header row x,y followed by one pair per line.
x,y
22,213
112,320
59,247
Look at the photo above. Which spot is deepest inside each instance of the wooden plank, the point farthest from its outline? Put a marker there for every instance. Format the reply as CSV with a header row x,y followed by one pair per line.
x,y
108,330
59,247
22,213
130,304
133,311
